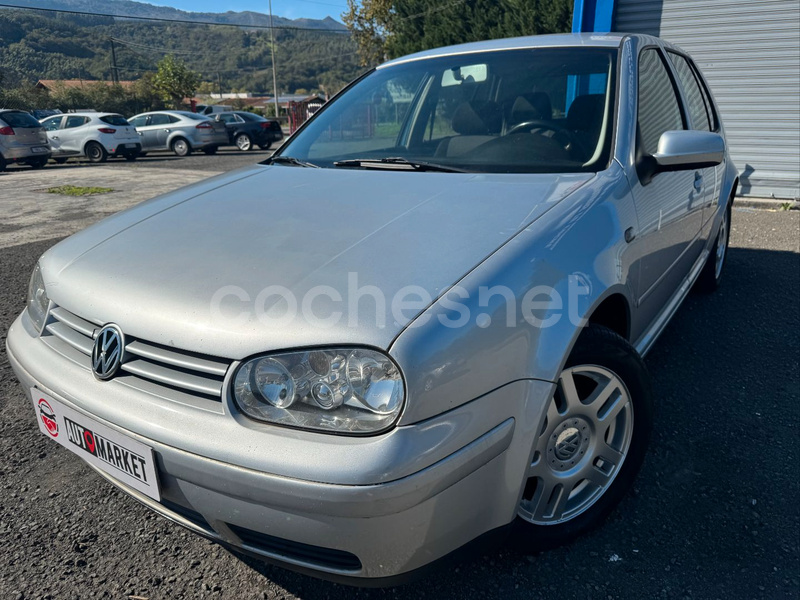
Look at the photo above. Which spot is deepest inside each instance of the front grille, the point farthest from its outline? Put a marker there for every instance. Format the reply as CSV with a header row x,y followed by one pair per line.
x,y
279,547
153,368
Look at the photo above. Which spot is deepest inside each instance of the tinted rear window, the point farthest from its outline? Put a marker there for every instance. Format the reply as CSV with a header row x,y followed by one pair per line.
x,y
117,120
19,119
250,116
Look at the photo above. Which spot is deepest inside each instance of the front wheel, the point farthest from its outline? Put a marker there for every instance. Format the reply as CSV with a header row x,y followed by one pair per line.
x,y
3,163
60,161
210,150
265,146
37,163
131,156
591,445
96,153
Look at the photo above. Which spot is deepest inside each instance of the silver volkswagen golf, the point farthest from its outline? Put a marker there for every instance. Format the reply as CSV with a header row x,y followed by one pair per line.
x,y
419,325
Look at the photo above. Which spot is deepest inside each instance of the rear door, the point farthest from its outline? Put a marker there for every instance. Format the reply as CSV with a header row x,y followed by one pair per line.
x,y
74,134
154,134
669,205
703,118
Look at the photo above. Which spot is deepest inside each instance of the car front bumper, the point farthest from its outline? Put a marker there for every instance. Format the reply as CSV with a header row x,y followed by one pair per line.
x,y
445,482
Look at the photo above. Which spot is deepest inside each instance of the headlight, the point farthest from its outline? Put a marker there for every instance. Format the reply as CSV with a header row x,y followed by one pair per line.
x,y
345,390
37,299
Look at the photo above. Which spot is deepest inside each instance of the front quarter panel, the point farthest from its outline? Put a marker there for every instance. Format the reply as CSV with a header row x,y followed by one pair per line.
x,y
577,252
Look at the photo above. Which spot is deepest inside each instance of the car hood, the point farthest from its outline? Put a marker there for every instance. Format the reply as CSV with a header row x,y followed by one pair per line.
x,y
265,258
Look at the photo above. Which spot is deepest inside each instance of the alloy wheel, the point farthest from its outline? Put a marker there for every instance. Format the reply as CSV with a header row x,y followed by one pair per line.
x,y
722,245
581,446
243,143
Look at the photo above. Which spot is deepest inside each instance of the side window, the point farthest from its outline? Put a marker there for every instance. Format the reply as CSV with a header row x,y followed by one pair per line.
x,y
659,109
159,119
693,92
52,124
173,118
230,119
73,122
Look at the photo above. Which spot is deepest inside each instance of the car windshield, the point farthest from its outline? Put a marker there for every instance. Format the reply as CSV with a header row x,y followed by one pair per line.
x,y
513,111
117,120
19,119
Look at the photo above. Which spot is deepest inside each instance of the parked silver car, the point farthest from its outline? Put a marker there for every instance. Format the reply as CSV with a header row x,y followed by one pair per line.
x,y
179,131
95,135
22,140
421,324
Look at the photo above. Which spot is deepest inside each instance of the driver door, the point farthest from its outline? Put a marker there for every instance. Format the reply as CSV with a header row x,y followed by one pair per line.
x,y
52,126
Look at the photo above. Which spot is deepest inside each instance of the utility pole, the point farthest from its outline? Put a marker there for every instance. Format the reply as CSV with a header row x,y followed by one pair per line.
x,y
272,53
114,68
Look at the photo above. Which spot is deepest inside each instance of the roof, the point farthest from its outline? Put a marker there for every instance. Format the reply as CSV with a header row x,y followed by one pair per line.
x,y
77,83
608,40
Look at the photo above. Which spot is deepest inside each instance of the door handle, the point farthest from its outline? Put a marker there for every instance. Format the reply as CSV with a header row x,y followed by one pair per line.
x,y
167,130
55,137
698,181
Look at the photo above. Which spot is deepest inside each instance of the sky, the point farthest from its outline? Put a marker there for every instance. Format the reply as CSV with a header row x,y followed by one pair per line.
x,y
291,9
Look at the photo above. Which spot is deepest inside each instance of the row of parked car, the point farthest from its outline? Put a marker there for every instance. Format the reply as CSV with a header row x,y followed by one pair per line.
x,y
98,135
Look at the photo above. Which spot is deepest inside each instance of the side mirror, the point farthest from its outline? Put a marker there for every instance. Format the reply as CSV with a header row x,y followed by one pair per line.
x,y
688,149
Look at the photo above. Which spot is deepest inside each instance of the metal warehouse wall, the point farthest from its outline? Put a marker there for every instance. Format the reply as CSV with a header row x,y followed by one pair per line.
x,y
749,51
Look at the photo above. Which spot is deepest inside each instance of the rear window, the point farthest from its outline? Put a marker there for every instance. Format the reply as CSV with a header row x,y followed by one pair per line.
x,y
117,120
19,119
251,117
195,117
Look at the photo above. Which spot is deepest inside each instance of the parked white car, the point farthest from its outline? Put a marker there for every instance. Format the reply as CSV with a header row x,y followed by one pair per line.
x,y
95,135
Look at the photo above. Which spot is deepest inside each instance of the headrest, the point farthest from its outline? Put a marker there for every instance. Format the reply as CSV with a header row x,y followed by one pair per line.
x,y
531,107
466,121
586,112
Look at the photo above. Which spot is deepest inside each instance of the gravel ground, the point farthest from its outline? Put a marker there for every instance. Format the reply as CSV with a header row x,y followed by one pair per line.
x,y
714,513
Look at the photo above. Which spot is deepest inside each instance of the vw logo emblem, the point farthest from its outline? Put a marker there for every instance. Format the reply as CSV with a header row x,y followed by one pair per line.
x,y
568,443
107,352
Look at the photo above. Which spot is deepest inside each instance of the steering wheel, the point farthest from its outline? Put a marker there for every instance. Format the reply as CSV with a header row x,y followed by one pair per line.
x,y
537,124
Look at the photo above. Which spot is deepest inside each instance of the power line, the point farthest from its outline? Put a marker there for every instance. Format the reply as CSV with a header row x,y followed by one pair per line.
x,y
182,21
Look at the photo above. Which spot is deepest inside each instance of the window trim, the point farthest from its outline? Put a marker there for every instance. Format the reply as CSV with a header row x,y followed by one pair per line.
x,y
675,88
705,92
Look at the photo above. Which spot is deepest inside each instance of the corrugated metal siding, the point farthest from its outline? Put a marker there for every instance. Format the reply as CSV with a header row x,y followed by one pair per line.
x,y
749,51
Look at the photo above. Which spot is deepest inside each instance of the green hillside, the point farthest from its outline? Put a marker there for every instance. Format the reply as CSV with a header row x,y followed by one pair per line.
x,y
58,46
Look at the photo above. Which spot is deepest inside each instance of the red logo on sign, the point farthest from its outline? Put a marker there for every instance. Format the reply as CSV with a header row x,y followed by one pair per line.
x,y
48,417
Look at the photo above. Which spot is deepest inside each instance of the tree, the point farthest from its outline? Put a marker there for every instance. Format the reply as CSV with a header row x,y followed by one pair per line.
x,y
369,22
390,28
174,81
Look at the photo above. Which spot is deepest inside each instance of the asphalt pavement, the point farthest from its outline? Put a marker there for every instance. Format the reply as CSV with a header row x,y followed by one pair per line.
x,y
227,158
714,513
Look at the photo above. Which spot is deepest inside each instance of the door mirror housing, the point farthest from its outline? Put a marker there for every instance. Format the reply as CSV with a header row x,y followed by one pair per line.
x,y
689,149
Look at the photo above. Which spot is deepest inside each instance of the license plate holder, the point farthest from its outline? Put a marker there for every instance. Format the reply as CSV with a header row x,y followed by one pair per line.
x,y
125,459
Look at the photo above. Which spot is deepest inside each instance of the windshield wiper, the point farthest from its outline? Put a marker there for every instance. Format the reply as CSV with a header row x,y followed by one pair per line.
x,y
289,160
396,162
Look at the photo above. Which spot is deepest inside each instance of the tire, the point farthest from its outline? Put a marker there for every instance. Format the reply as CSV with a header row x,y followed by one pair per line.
x,y
265,146
574,435
130,157
37,163
210,150
96,153
3,163
60,161
180,146
711,275
244,142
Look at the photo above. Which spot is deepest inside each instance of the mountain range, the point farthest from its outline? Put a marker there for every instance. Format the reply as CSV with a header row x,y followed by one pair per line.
x,y
142,9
